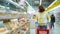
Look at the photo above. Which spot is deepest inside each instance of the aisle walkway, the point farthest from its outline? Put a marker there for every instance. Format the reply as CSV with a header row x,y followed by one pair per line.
x,y
56,30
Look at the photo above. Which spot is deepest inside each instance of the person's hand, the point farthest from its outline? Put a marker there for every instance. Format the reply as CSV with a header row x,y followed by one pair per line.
x,y
36,22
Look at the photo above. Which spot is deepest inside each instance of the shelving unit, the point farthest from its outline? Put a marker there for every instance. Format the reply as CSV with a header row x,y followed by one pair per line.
x,y
6,15
17,29
6,18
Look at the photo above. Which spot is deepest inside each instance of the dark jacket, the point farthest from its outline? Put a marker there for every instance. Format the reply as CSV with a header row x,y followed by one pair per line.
x,y
52,18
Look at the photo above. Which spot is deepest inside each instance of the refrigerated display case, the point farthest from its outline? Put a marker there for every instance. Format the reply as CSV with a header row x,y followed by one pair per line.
x,y
15,25
14,21
2,28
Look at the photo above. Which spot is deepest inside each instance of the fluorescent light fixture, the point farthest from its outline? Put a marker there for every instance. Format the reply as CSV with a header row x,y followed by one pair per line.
x,y
40,2
51,4
55,8
14,3
30,8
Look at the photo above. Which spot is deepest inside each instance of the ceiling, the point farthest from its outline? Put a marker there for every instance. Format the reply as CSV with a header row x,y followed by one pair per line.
x,y
33,3
45,3
6,3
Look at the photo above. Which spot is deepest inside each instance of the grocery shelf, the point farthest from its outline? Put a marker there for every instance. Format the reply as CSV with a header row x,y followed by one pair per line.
x,y
10,31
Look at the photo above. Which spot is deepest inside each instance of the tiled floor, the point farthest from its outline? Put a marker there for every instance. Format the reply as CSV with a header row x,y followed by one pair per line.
x,y
56,30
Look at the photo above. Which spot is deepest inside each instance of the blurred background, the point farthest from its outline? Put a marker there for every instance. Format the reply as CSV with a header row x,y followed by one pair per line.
x,y
16,16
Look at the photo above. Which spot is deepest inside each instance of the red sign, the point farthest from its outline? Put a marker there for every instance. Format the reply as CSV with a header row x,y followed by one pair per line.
x,y
38,31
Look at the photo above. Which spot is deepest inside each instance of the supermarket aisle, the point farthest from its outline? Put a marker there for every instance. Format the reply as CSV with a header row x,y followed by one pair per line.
x,y
56,29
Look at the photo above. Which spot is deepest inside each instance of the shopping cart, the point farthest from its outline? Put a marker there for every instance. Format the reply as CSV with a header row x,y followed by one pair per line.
x,y
42,30
39,31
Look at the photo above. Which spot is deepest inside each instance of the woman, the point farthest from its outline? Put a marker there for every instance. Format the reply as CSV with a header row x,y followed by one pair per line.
x,y
42,18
